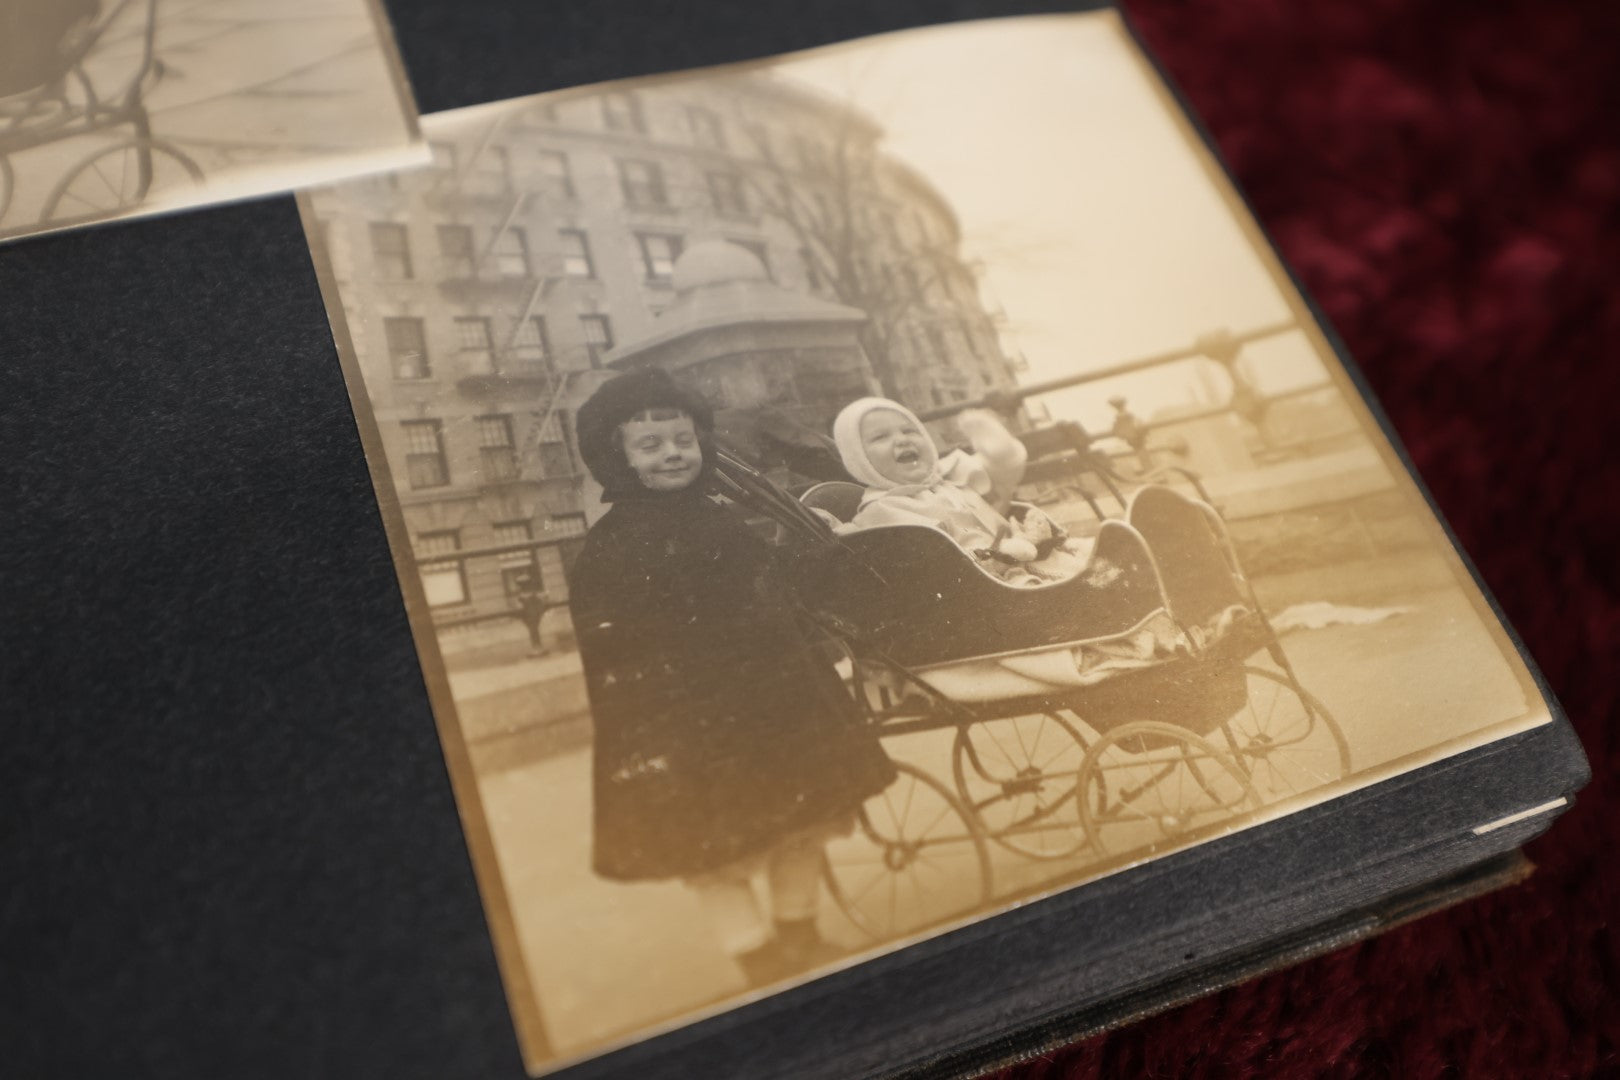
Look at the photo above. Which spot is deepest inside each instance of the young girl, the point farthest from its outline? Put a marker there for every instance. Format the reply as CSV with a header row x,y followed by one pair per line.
x,y
966,495
725,742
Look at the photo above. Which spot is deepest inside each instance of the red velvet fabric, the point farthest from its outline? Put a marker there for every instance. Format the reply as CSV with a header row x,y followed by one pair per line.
x,y
1445,176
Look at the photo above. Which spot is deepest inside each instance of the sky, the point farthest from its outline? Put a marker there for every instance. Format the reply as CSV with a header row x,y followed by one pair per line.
x,y
1099,232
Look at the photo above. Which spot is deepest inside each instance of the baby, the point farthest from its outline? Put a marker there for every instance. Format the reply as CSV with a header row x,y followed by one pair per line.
x,y
965,495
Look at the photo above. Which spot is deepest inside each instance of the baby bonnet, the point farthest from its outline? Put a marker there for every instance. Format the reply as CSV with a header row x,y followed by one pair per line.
x,y
847,437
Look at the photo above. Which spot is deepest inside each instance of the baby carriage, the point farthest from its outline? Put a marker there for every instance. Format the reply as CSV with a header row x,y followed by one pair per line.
x,y
49,94
1144,702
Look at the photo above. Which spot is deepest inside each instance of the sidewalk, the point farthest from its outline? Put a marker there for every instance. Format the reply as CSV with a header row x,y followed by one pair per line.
x,y
607,958
468,682
1388,580
517,713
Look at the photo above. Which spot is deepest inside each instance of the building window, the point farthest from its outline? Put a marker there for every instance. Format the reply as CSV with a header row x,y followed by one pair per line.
x,y
477,351
706,128
729,195
576,253
512,253
497,453
425,462
515,565
558,176
621,111
567,525
390,250
456,255
443,583
407,348
598,336
758,250
643,183
444,156
812,276
530,344
555,460
658,255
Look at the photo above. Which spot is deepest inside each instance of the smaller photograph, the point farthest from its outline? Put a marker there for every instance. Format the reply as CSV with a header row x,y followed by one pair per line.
x,y
838,501
119,108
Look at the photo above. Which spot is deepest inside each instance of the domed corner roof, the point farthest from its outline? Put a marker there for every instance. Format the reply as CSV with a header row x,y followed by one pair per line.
x,y
716,262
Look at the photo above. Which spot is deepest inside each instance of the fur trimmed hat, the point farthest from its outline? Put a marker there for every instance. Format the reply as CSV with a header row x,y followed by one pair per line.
x,y
620,399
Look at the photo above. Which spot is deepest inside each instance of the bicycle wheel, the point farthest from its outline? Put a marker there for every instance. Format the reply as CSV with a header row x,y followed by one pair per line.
x,y
1017,775
916,859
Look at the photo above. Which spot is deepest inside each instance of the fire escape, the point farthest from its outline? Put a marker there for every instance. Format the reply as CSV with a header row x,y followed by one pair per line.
x,y
521,362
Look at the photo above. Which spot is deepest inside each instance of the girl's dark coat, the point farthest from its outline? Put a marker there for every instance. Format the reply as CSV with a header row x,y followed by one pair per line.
x,y
720,726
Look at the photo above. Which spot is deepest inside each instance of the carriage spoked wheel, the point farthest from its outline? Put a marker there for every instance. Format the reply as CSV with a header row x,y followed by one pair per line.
x,y
1018,775
917,858
1149,783
1285,738
119,177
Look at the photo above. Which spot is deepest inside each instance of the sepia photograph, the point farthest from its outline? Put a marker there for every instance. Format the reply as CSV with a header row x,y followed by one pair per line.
x,y
837,501
116,108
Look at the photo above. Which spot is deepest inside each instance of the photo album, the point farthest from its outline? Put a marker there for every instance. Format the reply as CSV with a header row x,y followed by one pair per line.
x,y
903,576
854,521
